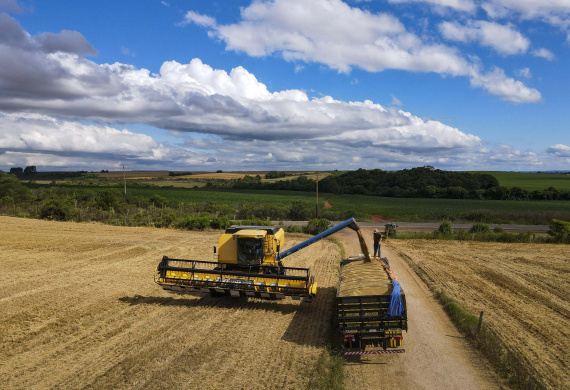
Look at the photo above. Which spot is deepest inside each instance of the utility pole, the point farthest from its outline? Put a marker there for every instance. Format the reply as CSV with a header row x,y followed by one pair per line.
x,y
317,208
125,180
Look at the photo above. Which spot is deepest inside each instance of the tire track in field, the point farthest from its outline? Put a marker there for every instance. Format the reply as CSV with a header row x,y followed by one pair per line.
x,y
93,317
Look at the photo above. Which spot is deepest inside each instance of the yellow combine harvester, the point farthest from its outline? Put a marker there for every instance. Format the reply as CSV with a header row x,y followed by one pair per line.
x,y
249,265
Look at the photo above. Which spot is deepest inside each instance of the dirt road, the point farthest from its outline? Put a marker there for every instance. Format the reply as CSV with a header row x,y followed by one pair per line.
x,y
437,356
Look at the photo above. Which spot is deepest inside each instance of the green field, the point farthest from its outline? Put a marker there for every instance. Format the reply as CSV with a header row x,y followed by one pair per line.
x,y
401,209
531,181
434,210
231,197
362,207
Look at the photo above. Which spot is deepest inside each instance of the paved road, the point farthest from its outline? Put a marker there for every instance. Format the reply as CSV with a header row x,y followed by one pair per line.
x,y
428,227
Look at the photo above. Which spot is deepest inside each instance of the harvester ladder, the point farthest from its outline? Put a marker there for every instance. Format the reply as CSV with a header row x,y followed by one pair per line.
x,y
267,247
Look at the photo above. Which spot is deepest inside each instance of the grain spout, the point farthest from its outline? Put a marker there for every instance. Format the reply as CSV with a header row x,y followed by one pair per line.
x,y
363,247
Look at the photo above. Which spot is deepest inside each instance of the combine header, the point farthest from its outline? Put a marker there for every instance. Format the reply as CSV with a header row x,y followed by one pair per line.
x,y
259,281
249,265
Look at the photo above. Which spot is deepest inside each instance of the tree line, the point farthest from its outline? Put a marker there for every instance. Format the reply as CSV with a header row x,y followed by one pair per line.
x,y
110,205
421,182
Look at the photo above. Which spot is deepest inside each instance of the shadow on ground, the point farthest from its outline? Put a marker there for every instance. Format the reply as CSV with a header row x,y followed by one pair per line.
x,y
311,325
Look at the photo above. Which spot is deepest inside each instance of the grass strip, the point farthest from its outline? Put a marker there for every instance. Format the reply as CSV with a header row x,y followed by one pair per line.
x,y
328,372
509,364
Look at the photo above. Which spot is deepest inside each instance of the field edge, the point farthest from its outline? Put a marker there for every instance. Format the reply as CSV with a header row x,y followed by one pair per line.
x,y
506,362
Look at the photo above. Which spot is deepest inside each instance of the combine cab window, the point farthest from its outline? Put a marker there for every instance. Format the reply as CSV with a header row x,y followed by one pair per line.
x,y
250,251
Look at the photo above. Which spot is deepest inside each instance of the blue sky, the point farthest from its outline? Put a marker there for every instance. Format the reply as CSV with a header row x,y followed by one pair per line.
x,y
285,84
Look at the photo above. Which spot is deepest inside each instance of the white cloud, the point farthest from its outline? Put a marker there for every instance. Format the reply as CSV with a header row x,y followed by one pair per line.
x,y
524,72
221,115
323,31
199,19
528,8
193,97
544,53
136,151
10,6
396,101
554,12
34,132
458,5
127,52
559,150
504,39
497,83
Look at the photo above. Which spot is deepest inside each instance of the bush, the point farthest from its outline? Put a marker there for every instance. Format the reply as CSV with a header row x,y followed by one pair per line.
x,y
255,221
560,230
263,211
316,226
445,228
506,237
275,175
525,237
299,211
158,201
293,229
164,221
108,199
221,222
462,235
56,210
498,229
480,228
195,223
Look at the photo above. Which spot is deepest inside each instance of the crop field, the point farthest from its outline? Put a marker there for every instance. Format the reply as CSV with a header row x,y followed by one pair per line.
x,y
134,174
232,197
145,175
80,310
400,209
532,181
523,289
422,209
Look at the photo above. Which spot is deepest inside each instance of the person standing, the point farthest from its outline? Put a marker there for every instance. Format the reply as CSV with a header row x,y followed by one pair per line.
x,y
377,242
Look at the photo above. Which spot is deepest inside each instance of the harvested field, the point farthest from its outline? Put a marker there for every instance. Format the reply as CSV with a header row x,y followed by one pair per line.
x,y
80,310
135,174
524,290
198,175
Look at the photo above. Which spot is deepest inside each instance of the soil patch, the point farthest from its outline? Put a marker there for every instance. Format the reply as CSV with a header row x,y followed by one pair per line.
x,y
379,218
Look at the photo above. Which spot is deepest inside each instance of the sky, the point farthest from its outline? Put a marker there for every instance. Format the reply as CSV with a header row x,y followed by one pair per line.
x,y
285,84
